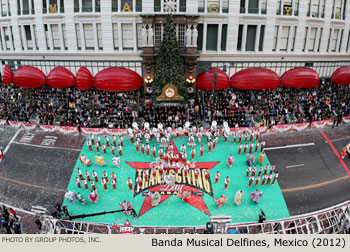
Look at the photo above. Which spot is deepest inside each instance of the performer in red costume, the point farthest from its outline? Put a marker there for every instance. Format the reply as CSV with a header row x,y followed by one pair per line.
x,y
129,182
202,150
89,145
217,176
227,181
251,179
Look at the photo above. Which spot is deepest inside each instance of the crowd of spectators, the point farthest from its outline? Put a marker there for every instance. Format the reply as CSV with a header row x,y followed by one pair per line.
x,y
244,108
10,222
240,108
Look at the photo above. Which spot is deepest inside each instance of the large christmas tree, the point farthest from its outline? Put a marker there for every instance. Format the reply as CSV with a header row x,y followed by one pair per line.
x,y
169,67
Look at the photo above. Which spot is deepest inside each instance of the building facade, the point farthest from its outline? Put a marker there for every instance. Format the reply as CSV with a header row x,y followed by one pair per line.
x,y
276,34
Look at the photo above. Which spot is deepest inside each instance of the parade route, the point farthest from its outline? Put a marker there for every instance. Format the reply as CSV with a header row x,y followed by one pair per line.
x,y
38,166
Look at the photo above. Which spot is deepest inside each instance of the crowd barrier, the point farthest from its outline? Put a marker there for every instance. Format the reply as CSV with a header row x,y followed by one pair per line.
x,y
107,131
332,220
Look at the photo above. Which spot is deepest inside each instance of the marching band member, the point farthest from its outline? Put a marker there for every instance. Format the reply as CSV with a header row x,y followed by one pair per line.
x,y
206,174
87,175
157,136
177,133
229,161
147,137
160,152
113,177
256,147
105,175
245,148
161,170
251,179
197,171
98,140
147,149
85,184
104,148
92,138
114,141
261,157
234,137
193,151
154,151
107,141
248,171
113,184
145,174
262,146
121,140
116,161
94,175
245,137
272,169
120,150
275,176
112,150
239,149
215,141
139,180
77,182
257,179
183,148
142,148
97,148
217,176
260,170
254,170
202,150
269,177
104,184
251,137
131,137
154,172
225,135
266,168
185,169
240,137
251,147
209,147
257,136
89,145
92,185
264,177
227,181
80,174
184,156
129,182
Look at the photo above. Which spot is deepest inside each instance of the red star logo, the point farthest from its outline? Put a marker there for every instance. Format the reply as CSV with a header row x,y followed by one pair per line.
x,y
195,200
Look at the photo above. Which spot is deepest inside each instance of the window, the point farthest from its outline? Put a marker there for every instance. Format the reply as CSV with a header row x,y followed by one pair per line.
x,y
55,37
64,36
21,38
240,36
115,36
338,9
334,40
53,7
5,8
157,35
312,39
138,6
225,6
287,7
320,39
284,38
47,37
275,38
99,36
78,34
201,5
181,29
200,37
127,34
139,36
182,5
76,6
261,39
28,37
212,34
341,39
223,37
293,36
213,6
87,5
305,38
89,36
250,39
253,7
157,7
6,37
114,5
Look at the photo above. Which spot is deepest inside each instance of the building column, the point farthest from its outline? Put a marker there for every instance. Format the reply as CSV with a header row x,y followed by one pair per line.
x,y
205,6
278,38
311,4
59,6
161,5
50,36
204,47
21,7
93,5
119,6
334,13
120,39
257,38
32,33
218,46
10,35
244,37
30,7
246,6
60,34
134,30
80,5
94,29
82,37
47,6
260,3
220,6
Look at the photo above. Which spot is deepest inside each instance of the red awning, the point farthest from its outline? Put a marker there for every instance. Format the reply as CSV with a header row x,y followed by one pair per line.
x,y
341,76
7,75
300,77
83,79
117,79
255,78
205,80
60,77
29,77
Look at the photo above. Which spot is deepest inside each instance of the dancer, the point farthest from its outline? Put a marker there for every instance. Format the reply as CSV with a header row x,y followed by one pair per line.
x,y
93,196
238,197
221,201
230,161
227,181
217,176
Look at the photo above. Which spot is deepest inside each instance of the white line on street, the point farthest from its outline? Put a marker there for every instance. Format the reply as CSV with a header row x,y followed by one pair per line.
x,y
339,139
290,146
49,147
9,144
292,166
